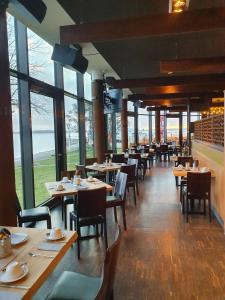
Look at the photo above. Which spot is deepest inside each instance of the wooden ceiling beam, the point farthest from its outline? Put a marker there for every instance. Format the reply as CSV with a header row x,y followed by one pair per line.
x,y
167,80
174,95
196,65
144,26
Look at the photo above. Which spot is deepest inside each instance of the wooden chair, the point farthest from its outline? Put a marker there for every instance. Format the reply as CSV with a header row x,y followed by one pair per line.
x,y
67,199
141,166
130,170
72,285
118,158
40,213
118,199
164,151
181,160
133,161
198,188
90,209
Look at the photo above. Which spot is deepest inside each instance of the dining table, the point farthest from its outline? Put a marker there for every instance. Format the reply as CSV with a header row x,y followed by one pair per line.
x,y
182,172
105,168
72,189
40,254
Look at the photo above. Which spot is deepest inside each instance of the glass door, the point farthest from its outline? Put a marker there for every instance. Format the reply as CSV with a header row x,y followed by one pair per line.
x,y
43,139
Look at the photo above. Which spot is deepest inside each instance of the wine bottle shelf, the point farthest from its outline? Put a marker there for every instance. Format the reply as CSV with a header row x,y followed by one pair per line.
x,y
210,130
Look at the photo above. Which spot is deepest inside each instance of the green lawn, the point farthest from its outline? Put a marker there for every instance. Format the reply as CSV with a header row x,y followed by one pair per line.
x,y
44,170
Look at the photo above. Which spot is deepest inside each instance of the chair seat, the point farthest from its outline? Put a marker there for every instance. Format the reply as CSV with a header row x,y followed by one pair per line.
x,y
74,286
36,213
112,201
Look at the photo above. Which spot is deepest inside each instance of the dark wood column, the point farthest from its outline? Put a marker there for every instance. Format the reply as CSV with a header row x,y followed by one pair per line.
x,y
99,124
157,126
180,129
7,178
188,127
124,126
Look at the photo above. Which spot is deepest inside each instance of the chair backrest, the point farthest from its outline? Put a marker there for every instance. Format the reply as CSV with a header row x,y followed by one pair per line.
x,y
118,158
135,156
91,203
90,161
80,169
68,174
130,170
109,268
163,148
198,184
120,185
153,146
181,160
133,161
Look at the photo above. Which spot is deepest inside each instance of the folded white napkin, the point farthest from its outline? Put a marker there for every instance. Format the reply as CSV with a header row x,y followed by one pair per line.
x,y
10,295
50,246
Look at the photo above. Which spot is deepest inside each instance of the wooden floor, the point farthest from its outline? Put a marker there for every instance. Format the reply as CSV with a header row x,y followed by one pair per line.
x,y
161,257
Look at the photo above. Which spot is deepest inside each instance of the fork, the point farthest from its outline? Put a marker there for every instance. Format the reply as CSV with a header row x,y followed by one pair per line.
x,y
42,255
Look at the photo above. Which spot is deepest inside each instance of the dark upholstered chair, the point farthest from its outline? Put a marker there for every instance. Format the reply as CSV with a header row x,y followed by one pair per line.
x,y
118,199
71,286
134,161
181,160
130,170
90,209
67,199
36,214
91,161
164,151
118,158
198,188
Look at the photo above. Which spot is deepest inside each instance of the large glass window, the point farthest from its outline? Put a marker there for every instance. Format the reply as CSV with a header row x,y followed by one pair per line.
x,y
153,127
184,126
118,133
11,42
131,137
130,106
70,81
109,132
16,138
173,130
72,132
87,87
43,138
143,129
89,130
40,64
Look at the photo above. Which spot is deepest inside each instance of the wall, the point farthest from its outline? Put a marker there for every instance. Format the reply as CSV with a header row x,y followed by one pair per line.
x,y
213,157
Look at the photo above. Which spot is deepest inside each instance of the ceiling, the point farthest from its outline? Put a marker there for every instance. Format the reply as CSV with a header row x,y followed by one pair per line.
x,y
139,58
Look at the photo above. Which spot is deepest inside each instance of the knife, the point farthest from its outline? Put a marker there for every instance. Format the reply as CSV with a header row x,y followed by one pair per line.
x,y
24,287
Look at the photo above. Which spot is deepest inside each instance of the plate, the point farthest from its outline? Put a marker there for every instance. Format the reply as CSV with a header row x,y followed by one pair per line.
x,y
55,239
91,180
18,238
4,279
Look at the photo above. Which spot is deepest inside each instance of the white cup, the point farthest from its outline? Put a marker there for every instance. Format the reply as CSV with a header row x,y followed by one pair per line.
x,y
13,271
95,164
90,178
65,179
59,187
55,233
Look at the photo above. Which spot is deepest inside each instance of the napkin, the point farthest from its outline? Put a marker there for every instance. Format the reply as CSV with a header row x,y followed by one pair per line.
x,y
10,295
52,246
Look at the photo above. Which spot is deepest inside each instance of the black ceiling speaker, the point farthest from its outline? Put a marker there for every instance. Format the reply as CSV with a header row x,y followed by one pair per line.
x,y
36,8
70,57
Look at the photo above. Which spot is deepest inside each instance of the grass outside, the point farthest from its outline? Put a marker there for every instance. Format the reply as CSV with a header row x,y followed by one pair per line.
x,y
44,170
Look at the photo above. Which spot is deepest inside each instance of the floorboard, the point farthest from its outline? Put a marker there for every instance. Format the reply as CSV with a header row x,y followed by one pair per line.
x,y
161,257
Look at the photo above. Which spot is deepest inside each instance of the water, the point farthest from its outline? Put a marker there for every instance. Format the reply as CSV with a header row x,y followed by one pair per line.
x,y
42,142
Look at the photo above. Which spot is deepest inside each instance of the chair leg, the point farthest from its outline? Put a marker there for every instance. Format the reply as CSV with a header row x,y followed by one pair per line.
x,y
97,231
134,190
115,214
71,224
124,216
210,212
62,206
111,296
186,209
78,242
65,215
105,234
137,188
176,180
49,223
